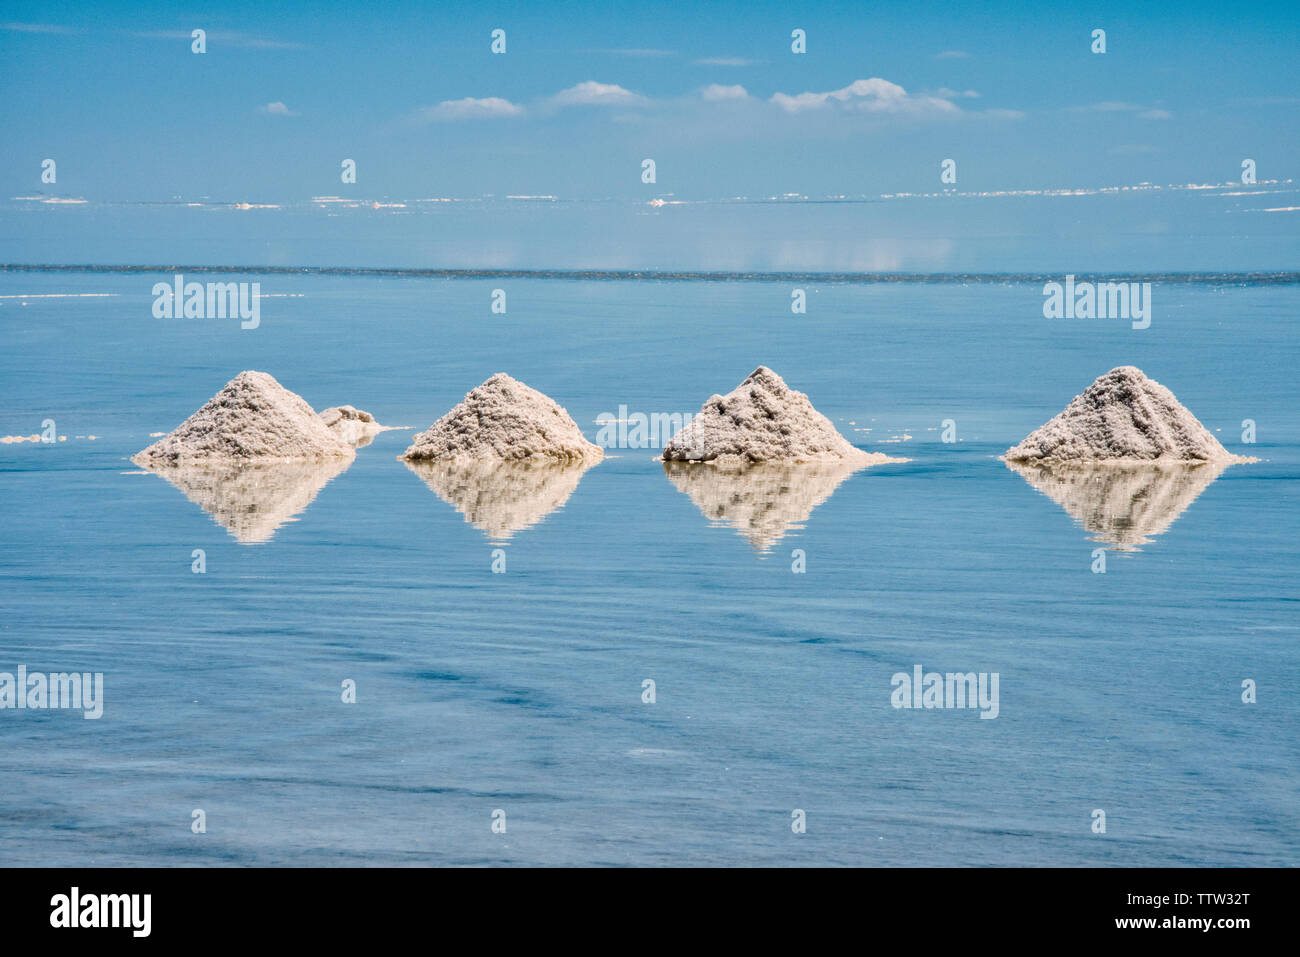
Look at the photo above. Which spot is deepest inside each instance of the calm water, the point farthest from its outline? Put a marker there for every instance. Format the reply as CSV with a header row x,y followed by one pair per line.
x,y
523,691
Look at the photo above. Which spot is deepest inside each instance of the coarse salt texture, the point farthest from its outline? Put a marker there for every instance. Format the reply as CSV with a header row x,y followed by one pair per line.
x,y
503,419
1122,417
763,420
252,419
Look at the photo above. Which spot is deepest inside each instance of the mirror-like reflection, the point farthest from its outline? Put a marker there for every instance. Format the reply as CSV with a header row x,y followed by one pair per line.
x,y
761,502
498,497
252,501
1122,505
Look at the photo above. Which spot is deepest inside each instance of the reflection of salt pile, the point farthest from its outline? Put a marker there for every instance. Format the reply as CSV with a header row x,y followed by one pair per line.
x,y
1122,416
1122,504
501,498
354,426
762,502
763,420
252,501
503,419
252,419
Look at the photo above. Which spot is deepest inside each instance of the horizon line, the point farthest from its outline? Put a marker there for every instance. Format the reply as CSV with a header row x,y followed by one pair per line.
x,y
1279,277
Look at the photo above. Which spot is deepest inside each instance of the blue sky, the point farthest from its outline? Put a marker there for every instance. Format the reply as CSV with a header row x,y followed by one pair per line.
x,y
586,91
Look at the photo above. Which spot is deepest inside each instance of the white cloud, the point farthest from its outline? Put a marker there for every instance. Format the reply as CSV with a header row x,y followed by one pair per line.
x,y
870,96
637,52
723,61
471,108
716,92
277,109
1108,106
948,94
33,28
223,37
1119,106
591,93
952,55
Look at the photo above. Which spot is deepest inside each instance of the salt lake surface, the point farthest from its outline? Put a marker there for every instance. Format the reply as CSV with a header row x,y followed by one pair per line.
x,y
523,691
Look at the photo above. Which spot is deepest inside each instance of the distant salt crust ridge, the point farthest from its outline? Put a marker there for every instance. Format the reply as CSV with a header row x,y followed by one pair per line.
x,y
763,420
252,419
1122,417
504,420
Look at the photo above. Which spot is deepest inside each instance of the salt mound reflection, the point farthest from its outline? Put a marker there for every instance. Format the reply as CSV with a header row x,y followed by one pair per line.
x,y
1122,505
762,502
501,497
252,501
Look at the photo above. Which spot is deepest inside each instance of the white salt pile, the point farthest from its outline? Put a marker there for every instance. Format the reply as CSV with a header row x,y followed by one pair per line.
x,y
252,419
505,420
1122,417
763,420
356,427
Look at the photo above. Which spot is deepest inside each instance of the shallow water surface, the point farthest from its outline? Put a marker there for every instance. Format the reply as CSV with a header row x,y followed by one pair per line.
x,y
523,691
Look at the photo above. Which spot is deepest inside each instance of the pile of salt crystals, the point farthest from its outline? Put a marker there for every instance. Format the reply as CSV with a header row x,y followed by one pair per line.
x,y
252,419
354,426
505,420
763,420
1122,417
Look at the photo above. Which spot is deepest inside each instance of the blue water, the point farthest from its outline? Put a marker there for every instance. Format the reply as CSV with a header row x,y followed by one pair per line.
x,y
523,691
